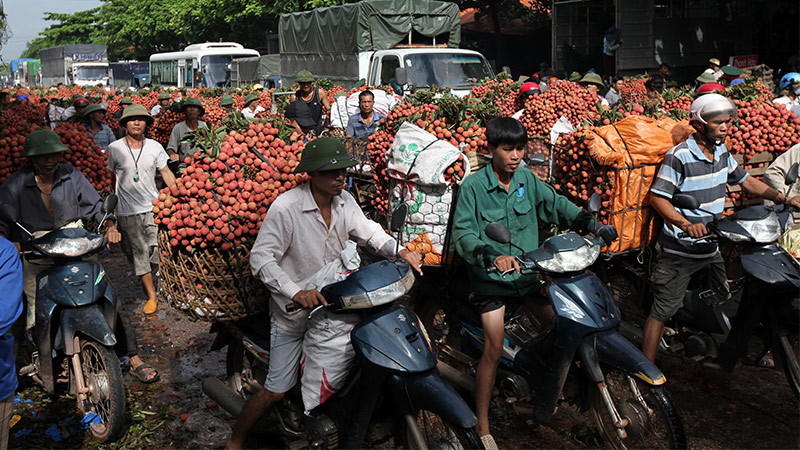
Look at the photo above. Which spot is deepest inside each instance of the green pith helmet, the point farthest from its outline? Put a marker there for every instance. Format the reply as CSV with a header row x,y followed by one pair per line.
x,y
249,98
324,154
43,142
574,76
226,100
706,77
94,107
731,71
126,101
592,78
305,76
191,101
136,110
163,96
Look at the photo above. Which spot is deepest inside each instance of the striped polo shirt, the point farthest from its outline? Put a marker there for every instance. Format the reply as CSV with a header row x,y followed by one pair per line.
x,y
687,170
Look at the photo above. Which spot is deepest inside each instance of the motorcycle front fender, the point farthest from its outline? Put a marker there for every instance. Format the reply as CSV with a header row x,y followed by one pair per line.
x,y
428,391
88,321
613,349
771,264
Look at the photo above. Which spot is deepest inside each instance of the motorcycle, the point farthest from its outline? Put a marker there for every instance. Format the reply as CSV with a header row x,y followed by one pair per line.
x,y
394,383
581,359
767,282
72,342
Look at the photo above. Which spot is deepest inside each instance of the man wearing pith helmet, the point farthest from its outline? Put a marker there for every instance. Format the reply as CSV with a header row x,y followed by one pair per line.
x,y
304,230
163,101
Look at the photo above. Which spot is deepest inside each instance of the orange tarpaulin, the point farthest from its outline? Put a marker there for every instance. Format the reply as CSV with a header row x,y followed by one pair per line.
x,y
634,147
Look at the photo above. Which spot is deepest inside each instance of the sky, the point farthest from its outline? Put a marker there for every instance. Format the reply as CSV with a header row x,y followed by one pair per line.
x,y
25,20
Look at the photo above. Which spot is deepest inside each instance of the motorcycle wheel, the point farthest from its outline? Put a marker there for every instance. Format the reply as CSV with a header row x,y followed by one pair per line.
x,y
245,374
790,356
106,396
654,421
437,433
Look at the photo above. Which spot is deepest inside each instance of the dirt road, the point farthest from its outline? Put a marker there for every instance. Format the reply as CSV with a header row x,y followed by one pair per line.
x,y
753,408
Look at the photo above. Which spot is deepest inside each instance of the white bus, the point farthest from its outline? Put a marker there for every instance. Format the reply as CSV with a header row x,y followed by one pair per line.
x,y
199,65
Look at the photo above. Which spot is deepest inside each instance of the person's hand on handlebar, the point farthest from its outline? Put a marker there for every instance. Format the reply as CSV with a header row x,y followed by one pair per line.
x,y
414,259
794,201
112,234
309,298
506,263
695,230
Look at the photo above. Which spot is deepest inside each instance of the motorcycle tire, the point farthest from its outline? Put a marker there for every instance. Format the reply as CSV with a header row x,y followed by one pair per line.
x,y
246,375
106,396
655,424
790,358
437,434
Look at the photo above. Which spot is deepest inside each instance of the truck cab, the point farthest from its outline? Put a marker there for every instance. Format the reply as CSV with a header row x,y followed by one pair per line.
x,y
90,74
413,68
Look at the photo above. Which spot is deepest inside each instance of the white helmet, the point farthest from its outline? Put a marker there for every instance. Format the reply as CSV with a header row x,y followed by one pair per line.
x,y
709,105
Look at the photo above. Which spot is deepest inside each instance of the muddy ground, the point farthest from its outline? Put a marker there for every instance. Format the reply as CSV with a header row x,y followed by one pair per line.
x,y
753,408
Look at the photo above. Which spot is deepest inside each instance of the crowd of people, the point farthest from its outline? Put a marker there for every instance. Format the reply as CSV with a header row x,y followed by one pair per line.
x,y
317,217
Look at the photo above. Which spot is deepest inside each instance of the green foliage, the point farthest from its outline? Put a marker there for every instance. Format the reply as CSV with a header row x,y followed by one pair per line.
x,y
135,29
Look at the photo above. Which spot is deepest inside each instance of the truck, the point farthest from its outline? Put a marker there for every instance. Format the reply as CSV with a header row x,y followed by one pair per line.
x,y
409,44
19,70
122,74
78,64
264,70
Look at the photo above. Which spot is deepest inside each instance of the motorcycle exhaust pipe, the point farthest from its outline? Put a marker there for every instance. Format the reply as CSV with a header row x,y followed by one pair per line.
x,y
224,396
456,377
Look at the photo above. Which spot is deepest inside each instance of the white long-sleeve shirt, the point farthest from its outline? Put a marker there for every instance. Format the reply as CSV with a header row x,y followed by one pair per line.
x,y
294,243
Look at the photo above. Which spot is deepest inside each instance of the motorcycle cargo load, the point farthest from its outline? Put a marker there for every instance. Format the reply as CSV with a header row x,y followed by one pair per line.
x,y
632,150
210,284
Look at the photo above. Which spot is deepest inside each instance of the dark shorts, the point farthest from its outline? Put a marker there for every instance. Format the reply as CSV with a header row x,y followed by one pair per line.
x,y
671,275
488,303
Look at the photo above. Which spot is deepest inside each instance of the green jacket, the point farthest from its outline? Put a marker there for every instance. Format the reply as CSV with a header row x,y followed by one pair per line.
x,y
482,200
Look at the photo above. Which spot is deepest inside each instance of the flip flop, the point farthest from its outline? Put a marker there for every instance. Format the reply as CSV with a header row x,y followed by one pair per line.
x,y
143,370
150,307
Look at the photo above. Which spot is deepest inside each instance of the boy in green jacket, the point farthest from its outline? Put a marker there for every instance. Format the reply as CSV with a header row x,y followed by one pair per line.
x,y
518,199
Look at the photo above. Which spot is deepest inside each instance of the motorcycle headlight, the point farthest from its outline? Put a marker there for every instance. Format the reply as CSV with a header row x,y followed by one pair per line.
x,y
70,247
380,296
572,260
764,230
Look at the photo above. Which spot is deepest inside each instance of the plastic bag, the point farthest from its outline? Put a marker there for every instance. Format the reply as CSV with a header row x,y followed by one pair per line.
x,y
420,157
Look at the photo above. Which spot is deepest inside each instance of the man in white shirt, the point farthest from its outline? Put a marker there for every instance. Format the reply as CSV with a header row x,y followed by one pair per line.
x,y
790,83
251,106
192,111
163,101
304,230
135,160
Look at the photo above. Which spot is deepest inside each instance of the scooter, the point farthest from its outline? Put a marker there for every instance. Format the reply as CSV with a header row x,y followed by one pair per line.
x,y
581,359
73,340
766,279
394,384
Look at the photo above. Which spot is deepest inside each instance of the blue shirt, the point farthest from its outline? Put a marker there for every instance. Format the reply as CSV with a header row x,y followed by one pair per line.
x,y
103,137
687,170
357,128
11,286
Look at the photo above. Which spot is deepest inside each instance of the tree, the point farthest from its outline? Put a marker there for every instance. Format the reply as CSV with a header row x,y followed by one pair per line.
x,y
4,31
78,28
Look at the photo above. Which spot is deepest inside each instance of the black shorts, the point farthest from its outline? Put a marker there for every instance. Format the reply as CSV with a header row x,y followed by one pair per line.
x,y
487,303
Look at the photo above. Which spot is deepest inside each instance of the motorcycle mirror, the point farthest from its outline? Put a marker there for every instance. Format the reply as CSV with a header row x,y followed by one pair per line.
x,y
685,201
109,204
537,159
791,174
498,232
8,213
594,203
398,218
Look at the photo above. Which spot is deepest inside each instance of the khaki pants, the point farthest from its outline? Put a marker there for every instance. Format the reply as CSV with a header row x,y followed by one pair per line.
x,y
6,408
32,268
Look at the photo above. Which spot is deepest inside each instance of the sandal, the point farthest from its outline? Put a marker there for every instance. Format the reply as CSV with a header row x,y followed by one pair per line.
x,y
143,371
151,306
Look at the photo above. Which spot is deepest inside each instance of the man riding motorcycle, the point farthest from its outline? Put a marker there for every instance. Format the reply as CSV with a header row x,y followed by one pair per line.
x,y
702,167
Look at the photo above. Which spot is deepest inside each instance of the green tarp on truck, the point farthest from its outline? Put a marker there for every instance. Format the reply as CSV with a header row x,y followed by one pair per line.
x,y
327,41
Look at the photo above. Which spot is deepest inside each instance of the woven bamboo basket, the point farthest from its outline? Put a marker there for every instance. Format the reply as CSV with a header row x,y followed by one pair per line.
x,y
210,285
